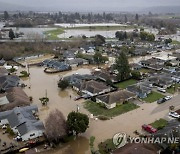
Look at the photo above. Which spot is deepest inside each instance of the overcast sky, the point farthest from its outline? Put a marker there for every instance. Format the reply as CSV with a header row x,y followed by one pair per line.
x,y
109,5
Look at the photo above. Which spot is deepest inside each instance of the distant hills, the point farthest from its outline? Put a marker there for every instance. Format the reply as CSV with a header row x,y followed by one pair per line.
x,y
158,9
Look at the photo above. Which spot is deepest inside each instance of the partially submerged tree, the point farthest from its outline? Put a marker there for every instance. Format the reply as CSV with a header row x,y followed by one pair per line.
x,y
11,34
77,122
44,100
63,84
55,126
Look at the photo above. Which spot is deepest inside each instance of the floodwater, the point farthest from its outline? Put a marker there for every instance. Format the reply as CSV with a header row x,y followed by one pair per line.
x,y
40,82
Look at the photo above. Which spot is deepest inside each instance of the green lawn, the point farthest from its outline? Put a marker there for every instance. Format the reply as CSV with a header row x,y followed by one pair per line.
x,y
159,124
174,42
53,34
154,96
126,83
172,89
97,109
106,146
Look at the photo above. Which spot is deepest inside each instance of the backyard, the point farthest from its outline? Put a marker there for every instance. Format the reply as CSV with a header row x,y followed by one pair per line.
x,y
173,88
97,109
125,84
154,96
159,124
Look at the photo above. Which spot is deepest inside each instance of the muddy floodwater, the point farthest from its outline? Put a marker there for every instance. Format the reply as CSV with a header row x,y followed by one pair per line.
x,y
40,82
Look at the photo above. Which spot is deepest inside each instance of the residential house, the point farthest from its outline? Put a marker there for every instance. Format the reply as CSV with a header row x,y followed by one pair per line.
x,y
94,88
3,71
161,80
2,62
140,90
8,81
68,54
76,62
13,97
105,76
60,66
118,97
76,80
135,66
23,121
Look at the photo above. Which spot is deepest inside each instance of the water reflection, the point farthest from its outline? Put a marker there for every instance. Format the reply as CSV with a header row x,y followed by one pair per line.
x,y
80,145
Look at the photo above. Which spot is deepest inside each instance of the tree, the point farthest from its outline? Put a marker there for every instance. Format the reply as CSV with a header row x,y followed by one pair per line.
x,y
55,126
44,100
98,58
99,40
63,84
136,75
125,35
119,35
125,19
167,41
6,15
11,34
77,122
122,66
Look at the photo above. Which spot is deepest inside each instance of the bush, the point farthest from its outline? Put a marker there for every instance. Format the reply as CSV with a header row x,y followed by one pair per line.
x,y
136,75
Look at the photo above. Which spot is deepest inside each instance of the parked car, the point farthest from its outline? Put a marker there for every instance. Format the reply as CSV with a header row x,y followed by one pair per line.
x,y
149,128
161,90
174,114
161,100
168,97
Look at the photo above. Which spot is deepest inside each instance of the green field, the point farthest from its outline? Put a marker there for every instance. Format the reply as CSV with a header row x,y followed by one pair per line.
x,y
125,84
53,34
97,109
172,89
154,96
159,124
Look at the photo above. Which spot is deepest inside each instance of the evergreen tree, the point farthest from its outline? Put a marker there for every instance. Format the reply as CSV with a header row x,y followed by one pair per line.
x,y
122,66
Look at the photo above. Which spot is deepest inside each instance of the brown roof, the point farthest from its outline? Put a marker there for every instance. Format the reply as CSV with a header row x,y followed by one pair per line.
x,y
93,86
137,149
116,97
16,97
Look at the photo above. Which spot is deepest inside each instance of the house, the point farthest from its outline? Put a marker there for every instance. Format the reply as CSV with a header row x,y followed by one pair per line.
x,y
140,90
8,81
76,62
94,88
13,97
68,54
135,66
3,71
23,121
76,80
2,62
60,66
111,99
105,76
161,80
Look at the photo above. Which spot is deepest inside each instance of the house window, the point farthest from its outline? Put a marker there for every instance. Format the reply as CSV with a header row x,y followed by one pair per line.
x,y
32,134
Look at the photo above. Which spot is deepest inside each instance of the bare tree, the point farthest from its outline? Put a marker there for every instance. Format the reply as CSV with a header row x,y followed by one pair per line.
x,y
55,125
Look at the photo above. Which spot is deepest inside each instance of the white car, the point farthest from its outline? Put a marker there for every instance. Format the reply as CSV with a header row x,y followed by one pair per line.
x,y
174,114
168,97
161,90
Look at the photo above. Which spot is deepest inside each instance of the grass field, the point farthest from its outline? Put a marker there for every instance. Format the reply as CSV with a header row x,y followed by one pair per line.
x,y
53,34
96,109
126,83
159,124
154,96
172,89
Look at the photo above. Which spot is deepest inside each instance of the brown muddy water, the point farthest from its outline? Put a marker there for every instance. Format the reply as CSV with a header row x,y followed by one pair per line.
x,y
37,85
